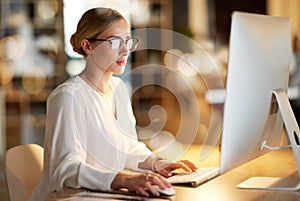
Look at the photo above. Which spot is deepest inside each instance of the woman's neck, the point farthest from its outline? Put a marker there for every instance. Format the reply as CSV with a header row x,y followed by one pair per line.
x,y
99,80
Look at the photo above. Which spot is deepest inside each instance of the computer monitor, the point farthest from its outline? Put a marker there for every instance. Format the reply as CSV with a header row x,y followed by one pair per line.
x,y
256,104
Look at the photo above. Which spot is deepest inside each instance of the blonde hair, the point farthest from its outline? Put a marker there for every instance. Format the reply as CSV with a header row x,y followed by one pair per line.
x,y
92,23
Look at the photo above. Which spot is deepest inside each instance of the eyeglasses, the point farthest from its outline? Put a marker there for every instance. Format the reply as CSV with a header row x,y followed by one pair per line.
x,y
117,42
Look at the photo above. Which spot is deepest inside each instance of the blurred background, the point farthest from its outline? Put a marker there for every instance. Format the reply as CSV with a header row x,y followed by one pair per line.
x,y
35,57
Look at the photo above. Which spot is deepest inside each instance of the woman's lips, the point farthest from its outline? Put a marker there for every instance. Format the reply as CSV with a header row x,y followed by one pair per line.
x,y
121,62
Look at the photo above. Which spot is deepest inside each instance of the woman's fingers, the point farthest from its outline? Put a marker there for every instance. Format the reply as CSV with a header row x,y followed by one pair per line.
x,y
146,183
142,191
165,168
150,188
160,181
179,165
165,172
189,164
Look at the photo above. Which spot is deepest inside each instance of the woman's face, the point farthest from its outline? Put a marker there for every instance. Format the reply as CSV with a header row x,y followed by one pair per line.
x,y
104,56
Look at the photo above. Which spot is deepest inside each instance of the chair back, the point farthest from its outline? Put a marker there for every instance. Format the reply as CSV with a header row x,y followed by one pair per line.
x,y
23,165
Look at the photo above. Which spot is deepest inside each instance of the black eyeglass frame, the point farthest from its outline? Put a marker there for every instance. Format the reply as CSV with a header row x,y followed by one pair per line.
x,y
116,37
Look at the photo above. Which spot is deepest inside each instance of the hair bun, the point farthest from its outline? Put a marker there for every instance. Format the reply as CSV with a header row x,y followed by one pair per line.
x,y
76,46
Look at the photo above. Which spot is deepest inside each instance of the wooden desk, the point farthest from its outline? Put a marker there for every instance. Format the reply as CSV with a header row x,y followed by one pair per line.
x,y
277,164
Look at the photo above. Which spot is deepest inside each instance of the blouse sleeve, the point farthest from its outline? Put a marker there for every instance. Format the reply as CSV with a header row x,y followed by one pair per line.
x,y
138,152
65,142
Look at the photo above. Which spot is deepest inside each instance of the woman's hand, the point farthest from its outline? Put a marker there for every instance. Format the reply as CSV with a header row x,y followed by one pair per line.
x,y
140,183
165,167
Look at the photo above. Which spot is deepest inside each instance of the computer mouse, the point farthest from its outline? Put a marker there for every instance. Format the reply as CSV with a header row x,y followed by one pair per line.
x,y
168,191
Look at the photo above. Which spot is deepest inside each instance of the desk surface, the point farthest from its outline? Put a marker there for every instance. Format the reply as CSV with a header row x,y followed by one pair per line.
x,y
274,164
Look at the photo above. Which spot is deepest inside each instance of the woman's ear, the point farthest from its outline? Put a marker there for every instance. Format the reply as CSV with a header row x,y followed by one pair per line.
x,y
86,46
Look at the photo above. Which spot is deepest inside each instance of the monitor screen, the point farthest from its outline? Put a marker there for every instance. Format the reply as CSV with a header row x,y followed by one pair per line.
x,y
259,59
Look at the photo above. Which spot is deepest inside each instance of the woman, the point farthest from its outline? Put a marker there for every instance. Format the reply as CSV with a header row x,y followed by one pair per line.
x,y
90,129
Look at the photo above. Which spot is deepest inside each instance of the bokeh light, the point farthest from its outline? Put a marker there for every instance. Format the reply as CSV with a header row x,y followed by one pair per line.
x,y
34,80
201,62
13,47
6,73
75,66
185,67
47,9
47,43
171,58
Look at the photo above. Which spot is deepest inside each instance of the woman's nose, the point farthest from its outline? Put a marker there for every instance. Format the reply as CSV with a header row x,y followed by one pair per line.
x,y
124,50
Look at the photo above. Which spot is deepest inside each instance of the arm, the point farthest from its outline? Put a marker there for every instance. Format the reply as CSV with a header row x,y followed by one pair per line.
x,y
139,155
65,142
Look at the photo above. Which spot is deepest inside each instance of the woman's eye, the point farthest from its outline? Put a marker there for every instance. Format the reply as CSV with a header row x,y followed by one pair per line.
x,y
115,43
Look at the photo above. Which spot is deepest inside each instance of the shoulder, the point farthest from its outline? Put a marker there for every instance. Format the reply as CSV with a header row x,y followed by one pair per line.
x,y
69,88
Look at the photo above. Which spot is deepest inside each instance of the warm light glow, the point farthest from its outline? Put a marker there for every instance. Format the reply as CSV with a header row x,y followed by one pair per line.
x,y
185,67
34,80
17,19
201,63
140,14
74,67
6,73
47,43
47,9
13,47
171,58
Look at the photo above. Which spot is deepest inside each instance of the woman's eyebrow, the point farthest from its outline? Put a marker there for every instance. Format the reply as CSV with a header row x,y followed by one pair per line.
x,y
127,35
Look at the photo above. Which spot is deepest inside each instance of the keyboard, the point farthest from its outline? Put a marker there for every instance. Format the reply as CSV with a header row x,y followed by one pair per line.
x,y
195,178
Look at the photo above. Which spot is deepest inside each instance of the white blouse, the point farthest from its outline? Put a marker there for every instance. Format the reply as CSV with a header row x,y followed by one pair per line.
x,y
86,145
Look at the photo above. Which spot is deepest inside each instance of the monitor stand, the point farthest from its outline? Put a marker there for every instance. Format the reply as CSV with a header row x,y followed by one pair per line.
x,y
292,130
